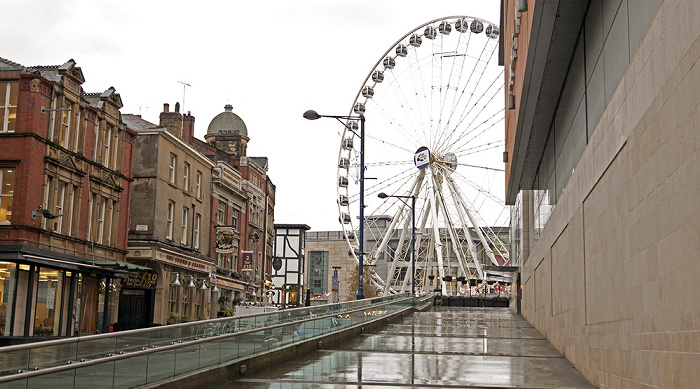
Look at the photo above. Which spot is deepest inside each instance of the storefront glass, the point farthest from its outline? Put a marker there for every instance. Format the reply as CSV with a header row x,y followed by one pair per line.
x,y
112,298
48,302
8,277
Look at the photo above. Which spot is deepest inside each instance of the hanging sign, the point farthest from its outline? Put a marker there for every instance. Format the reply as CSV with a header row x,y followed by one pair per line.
x,y
140,281
247,260
224,240
422,157
277,264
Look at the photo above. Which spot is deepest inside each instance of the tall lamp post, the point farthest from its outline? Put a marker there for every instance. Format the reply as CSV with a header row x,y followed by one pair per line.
x,y
413,235
313,115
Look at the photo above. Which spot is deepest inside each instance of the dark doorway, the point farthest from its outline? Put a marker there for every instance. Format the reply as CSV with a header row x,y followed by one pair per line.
x,y
133,309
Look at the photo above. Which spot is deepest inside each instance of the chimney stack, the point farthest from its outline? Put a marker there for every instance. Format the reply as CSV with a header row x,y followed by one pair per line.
x,y
172,121
188,128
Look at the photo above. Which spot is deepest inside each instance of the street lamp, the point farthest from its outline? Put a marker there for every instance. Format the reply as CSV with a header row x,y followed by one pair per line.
x,y
313,115
413,235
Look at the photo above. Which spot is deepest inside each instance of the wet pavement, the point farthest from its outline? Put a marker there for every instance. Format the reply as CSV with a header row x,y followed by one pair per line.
x,y
447,347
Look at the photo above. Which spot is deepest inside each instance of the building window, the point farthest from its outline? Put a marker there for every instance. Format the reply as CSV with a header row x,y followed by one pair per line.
x,y
169,220
105,145
97,137
199,184
59,206
64,132
72,207
8,106
78,127
318,271
234,219
91,202
221,213
173,163
172,296
101,219
197,221
185,216
186,176
7,178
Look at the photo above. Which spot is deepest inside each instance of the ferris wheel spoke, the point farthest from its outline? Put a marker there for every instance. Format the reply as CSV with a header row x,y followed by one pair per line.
x,y
467,88
403,120
462,57
475,131
470,116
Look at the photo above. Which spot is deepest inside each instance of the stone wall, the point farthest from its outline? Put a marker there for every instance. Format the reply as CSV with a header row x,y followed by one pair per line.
x,y
611,280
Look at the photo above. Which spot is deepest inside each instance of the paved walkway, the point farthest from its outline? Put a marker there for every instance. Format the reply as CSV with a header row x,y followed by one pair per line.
x,y
448,347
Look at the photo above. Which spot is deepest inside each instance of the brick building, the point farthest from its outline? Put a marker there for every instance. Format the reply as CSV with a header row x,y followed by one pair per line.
x,y
65,168
226,142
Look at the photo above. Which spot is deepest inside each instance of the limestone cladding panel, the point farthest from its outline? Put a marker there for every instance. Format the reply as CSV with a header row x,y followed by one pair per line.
x,y
337,256
629,220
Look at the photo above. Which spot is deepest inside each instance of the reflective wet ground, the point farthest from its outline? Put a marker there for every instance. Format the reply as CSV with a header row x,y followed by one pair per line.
x,y
448,347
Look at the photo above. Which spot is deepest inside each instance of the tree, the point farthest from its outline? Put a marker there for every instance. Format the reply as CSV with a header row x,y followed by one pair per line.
x,y
369,291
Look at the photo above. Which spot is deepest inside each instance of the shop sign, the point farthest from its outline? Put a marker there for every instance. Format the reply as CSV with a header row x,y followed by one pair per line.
x,y
224,240
141,281
183,262
247,260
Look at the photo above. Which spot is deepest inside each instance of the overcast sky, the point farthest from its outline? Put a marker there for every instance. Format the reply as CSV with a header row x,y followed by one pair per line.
x,y
271,60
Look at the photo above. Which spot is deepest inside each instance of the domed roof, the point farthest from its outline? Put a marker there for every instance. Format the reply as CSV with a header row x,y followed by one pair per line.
x,y
227,121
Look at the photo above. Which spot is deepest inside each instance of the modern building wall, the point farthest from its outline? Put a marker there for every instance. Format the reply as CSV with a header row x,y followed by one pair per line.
x,y
612,264
333,243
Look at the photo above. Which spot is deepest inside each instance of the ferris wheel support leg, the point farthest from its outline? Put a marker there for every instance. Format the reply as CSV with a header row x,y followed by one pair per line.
x,y
477,228
450,226
415,187
470,244
436,234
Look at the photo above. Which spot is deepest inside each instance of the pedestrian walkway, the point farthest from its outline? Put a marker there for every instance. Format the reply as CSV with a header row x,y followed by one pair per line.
x,y
446,347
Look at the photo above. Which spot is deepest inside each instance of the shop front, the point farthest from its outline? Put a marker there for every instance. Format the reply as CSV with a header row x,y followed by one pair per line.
x,y
178,289
46,294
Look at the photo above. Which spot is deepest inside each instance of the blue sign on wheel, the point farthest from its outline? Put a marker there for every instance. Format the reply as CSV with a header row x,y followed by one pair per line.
x,y
422,157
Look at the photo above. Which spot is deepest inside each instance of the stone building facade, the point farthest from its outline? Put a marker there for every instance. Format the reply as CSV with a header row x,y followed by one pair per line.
x,y
169,228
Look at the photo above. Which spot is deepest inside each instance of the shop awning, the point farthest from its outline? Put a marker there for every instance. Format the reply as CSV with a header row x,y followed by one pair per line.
x,y
230,285
117,269
123,266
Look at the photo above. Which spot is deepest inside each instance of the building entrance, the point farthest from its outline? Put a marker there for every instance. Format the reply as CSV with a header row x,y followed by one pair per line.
x,y
133,307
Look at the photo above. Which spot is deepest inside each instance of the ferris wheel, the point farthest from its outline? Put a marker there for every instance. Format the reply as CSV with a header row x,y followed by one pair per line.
x,y
434,134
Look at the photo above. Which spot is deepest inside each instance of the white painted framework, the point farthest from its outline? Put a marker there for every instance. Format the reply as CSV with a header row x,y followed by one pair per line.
x,y
439,87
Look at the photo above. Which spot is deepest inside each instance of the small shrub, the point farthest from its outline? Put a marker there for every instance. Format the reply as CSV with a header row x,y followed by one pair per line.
x,y
174,318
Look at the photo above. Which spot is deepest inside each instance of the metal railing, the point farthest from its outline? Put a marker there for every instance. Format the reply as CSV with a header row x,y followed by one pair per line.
x,y
148,356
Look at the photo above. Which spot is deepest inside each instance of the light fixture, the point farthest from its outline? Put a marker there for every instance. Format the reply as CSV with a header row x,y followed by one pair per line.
x,y
204,286
177,280
191,284
45,213
215,289
359,110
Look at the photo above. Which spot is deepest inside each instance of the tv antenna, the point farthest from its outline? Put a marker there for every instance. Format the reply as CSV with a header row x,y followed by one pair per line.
x,y
184,86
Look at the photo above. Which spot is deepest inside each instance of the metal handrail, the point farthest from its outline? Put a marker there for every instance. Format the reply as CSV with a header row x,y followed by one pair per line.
x,y
76,339
144,351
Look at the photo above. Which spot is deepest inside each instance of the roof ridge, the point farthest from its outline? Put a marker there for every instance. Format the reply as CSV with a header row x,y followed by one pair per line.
x,y
11,63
